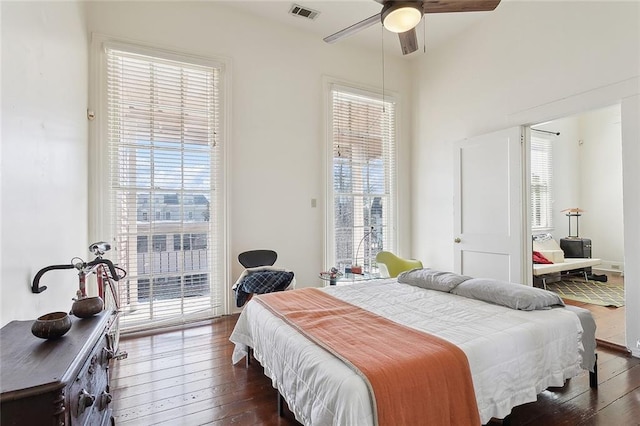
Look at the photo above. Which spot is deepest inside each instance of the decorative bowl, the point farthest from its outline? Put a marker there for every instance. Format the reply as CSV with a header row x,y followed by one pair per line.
x,y
87,307
51,326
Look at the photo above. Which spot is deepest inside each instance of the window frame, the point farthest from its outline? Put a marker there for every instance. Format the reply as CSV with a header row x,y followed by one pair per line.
x,y
99,190
331,84
541,143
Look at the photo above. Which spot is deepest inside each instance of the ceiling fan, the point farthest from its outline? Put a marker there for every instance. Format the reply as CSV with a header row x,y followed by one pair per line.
x,y
402,17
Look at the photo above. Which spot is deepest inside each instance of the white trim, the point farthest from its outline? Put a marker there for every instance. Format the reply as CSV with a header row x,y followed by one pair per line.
x,y
361,90
162,53
630,108
527,253
328,84
626,93
327,227
98,160
574,104
167,52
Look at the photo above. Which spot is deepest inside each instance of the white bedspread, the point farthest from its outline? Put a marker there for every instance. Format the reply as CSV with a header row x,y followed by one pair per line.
x,y
513,355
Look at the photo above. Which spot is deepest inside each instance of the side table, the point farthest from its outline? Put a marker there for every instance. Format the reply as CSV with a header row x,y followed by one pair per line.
x,y
346,279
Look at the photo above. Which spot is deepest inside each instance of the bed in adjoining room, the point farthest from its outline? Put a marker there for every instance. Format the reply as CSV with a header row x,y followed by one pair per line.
x,y
378,350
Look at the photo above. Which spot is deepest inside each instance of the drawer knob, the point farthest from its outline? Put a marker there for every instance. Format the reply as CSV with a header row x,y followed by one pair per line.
x,y
85,400
105,400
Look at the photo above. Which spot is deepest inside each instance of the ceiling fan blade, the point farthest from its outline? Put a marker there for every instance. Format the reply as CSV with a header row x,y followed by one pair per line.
x,y
365,23
408,41
445,6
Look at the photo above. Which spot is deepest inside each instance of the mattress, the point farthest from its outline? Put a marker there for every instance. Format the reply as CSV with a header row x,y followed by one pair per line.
x,y
513,355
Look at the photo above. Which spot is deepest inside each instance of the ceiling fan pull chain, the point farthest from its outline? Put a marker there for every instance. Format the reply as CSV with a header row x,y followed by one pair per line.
x,y
424,34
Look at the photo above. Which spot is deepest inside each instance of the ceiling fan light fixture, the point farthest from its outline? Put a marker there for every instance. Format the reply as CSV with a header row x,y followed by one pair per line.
x,y
399,17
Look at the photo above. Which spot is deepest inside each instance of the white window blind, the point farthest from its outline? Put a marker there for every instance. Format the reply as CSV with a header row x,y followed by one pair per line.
x,y
541,180
165,170
363,139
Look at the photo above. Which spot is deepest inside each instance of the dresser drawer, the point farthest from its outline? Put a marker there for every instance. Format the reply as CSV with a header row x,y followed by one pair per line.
x,y
56,382
89,398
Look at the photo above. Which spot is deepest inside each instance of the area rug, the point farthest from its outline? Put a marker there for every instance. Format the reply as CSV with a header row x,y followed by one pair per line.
x,y
594,292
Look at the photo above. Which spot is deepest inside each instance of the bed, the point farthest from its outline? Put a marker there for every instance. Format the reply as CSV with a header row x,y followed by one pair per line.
x,y
513,354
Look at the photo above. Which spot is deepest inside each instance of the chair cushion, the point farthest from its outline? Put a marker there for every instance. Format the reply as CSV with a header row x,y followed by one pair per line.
x,y
550,249
260,282
395,265
254,258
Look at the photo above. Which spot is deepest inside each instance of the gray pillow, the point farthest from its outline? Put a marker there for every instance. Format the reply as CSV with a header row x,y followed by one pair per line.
x,y
514,296
432,279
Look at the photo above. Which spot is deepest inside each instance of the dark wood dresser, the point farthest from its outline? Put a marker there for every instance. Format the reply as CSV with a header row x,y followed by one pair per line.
x,y
56,382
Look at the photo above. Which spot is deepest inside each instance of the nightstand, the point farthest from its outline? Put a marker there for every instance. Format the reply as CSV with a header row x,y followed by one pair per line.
x,y
346,279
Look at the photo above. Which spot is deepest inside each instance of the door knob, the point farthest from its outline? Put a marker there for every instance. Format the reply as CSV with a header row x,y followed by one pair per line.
x,y
457,240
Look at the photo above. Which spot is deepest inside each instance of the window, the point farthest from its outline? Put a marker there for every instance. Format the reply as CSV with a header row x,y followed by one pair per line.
x,y
159,242
143,244
194,241
541,189
164,150
362,177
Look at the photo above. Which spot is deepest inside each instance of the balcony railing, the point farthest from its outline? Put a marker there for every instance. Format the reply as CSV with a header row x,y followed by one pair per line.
x,y
167,262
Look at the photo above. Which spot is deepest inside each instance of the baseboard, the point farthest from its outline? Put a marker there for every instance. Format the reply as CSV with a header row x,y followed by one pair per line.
x,y
610,266
614,347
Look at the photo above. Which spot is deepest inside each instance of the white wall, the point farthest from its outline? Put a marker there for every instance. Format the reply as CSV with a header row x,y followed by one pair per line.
x,y
277,130
566,172
601,184
587,173
44,153
524,59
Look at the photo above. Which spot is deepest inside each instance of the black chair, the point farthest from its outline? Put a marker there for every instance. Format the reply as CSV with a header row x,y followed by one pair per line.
x,y
254,258
261,281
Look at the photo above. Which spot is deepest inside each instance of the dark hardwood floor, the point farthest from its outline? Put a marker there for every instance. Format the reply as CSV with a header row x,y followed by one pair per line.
x,y
185,377
610,321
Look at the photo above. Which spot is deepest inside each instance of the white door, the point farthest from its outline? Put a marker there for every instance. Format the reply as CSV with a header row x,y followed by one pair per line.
x,y
488,210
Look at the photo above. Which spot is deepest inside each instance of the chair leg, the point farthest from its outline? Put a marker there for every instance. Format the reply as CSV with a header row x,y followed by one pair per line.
x,y
248,357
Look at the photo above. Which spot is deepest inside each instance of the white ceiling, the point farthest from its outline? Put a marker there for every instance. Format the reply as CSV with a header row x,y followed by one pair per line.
x,y
338,14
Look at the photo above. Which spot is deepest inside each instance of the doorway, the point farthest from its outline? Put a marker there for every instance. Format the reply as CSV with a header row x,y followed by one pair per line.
x,y
584,172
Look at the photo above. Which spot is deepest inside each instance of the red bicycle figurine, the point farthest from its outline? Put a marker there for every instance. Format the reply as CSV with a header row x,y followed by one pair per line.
x,y
107,274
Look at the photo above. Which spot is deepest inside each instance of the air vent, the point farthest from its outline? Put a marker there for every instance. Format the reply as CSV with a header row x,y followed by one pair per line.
x,y
304,12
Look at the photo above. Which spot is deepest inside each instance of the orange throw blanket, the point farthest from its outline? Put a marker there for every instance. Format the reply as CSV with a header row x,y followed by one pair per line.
x,y
414,378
